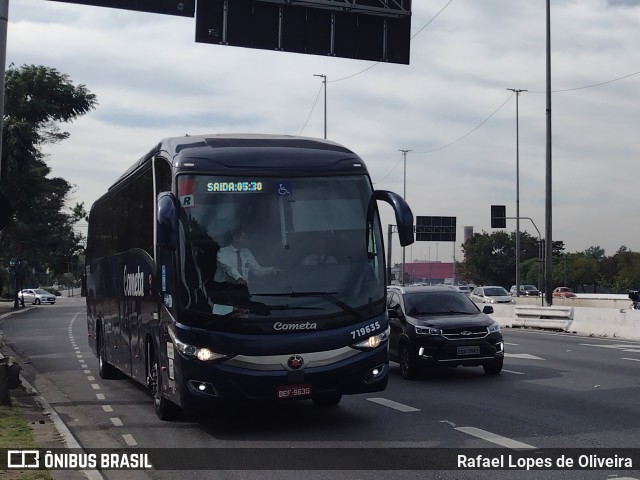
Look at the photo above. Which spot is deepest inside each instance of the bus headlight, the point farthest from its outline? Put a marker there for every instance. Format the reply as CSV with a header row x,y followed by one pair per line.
x,y
374,341
203,354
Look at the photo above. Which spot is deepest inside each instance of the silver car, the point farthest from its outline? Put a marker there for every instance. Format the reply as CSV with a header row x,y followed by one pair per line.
x,y
491,294
36,296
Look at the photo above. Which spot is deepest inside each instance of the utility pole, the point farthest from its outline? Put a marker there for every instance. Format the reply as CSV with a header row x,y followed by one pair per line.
x,y
4,20
404,196
548,274
324,83
517,92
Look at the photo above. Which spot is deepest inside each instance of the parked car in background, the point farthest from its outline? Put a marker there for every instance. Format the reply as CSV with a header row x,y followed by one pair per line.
x,y
466,289
563,292
36,296
491,294
436,326
525,291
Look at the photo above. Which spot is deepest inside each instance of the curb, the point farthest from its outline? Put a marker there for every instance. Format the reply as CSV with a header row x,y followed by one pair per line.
x,y
66,435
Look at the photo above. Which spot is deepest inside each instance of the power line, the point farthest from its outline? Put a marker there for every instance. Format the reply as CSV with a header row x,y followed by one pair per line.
x,y
370,66
473,129
412,37
593,85
500,107
309,116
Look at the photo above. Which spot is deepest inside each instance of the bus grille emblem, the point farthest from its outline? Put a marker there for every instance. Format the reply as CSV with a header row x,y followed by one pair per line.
x,y
295,362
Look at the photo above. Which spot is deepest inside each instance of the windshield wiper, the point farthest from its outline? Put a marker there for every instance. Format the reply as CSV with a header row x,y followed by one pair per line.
x,y
328,296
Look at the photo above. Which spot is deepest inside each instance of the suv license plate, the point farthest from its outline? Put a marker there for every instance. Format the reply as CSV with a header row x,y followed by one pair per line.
x,y
468,350
293,391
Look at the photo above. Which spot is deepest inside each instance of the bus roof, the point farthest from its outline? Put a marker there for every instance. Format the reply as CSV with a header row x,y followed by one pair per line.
x,y
259,151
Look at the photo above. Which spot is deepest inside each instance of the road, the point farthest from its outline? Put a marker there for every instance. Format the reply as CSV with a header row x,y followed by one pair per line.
x,y
556,391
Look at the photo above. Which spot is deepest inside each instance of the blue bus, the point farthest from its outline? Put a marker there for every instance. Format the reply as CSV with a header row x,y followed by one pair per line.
x,y
168,305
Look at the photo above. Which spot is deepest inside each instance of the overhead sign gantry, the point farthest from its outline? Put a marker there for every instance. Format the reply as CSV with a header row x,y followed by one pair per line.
x,y
377,30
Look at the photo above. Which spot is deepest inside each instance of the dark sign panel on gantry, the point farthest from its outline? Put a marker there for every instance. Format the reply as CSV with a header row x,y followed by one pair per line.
x,y
436,229
378,30
182,8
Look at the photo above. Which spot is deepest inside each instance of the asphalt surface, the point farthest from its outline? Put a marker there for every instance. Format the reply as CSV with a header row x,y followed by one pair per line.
x,y
556,392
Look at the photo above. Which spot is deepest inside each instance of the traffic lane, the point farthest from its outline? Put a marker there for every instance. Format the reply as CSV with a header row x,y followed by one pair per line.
x,y
539,402
251,421
51,347
584,363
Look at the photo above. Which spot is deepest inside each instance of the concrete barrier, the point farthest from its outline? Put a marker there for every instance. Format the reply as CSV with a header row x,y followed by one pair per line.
x,y
621,323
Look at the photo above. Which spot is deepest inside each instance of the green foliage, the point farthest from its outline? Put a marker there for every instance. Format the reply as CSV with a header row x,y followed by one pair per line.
x,y
489,259
41,232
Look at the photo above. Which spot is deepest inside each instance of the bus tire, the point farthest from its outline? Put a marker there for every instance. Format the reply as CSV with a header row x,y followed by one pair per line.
x,y
327,399
165,409
105,369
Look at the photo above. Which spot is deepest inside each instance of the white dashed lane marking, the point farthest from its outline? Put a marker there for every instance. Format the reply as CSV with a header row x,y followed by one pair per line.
x,y
395,405
116,421
525,356
495,438
127,437
129,440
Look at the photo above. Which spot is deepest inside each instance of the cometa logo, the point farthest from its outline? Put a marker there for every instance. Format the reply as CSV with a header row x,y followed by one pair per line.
x,y
294,326
133,283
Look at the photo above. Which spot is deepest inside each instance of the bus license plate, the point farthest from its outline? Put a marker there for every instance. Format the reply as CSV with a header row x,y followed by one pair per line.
x,y
294,391
468,350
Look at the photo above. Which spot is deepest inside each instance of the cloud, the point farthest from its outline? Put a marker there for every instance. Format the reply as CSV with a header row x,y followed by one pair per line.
x,y
450,106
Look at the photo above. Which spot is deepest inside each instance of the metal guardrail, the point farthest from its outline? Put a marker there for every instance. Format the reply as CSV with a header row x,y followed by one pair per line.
x,y
554,317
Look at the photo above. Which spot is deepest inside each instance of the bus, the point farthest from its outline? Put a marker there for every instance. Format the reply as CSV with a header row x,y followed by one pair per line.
x,y
162,311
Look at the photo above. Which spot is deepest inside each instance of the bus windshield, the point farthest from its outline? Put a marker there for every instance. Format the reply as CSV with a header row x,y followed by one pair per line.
x,y
279,247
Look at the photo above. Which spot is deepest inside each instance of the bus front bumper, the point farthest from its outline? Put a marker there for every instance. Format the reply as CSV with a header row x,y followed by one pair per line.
x,y
284,377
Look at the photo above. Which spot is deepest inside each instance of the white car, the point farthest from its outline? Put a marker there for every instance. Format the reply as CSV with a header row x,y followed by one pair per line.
x,y
491,294
36,296
466,289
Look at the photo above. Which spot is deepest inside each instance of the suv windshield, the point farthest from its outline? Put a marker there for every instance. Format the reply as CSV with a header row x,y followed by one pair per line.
x,y
281,247
438,303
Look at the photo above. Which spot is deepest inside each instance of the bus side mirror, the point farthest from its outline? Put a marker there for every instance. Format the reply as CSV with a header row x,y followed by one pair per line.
x,y
404,215
167,235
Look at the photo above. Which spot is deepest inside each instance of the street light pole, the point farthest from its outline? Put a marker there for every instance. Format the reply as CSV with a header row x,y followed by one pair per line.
x,y
548,273
324,84
404,196
4,21
517,91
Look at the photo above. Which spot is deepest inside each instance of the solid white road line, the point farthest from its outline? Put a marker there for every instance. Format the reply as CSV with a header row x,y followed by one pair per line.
x,y
513,372
395,405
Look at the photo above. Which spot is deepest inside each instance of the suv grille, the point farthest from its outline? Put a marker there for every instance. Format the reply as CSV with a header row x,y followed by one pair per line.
x,y
466,333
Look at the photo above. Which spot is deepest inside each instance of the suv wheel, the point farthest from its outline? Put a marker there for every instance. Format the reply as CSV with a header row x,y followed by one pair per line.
x,y
493,368
408,363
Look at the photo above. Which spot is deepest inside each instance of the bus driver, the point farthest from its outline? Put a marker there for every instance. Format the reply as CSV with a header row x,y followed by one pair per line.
x,y
235,261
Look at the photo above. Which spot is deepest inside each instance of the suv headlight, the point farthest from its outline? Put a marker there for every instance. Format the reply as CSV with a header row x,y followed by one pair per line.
x,y
374,341
427,330
494,328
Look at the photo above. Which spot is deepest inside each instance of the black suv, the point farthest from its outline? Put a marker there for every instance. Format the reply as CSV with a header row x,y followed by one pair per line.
x,y
439,326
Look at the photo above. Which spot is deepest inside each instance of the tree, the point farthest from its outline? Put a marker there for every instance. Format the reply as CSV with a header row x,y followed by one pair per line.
x,y
37,100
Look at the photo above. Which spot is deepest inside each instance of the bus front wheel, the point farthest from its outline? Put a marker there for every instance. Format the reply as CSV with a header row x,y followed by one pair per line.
x,y
165,409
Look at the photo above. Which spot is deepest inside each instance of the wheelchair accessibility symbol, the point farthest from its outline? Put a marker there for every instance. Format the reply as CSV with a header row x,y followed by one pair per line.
x,y
284,189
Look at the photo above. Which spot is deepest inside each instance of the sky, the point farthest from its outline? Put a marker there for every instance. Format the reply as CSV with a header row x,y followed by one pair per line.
x,y
450,107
